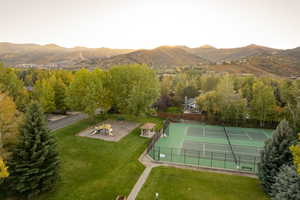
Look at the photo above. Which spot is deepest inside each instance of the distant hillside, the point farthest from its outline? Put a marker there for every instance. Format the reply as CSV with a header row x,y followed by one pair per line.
x,y
254,59
215,55
160,58
13,54
284,63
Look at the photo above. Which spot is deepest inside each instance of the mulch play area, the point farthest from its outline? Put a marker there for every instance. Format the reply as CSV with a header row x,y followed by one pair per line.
x,y
120,129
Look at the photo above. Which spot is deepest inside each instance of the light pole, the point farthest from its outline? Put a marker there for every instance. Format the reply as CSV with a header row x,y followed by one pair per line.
x,y
156,196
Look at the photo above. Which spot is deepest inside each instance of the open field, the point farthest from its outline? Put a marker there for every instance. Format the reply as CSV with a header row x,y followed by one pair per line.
x,y
95,169
182,184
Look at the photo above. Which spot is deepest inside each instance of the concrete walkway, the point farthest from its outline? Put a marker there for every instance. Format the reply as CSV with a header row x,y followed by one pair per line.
x,y
139,184
61,123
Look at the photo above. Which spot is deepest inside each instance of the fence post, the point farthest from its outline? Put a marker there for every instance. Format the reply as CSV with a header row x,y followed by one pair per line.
x,y
254,167
239,163
199,155
211,158
184,156
225,161
158,153
171,154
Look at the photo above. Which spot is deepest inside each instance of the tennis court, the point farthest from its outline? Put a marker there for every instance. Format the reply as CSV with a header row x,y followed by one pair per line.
x,y
211,146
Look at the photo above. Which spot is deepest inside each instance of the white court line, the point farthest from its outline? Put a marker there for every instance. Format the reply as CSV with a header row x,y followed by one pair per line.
x,y
185,130
265,134
249,136
182,141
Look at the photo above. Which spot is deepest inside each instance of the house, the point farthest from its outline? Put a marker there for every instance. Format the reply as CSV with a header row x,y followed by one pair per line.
x,y
190,105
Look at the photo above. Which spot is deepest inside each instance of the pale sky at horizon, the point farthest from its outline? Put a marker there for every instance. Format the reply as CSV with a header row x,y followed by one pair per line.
x,y
151,23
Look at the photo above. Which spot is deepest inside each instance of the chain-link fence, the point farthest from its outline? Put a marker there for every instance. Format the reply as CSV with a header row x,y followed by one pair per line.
x,y
221,160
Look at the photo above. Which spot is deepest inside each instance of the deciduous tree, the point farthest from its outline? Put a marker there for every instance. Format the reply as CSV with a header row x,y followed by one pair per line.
x,y
263,103
43,92
59,89
88,92
14,87
295,149
3,170
134,88
9,121
232,105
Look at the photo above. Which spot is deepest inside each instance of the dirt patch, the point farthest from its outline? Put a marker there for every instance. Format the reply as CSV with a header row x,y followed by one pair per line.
x,y
120,130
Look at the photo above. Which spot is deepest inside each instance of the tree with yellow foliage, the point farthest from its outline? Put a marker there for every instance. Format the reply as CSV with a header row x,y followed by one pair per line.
x,y
295,149
9,120
3,170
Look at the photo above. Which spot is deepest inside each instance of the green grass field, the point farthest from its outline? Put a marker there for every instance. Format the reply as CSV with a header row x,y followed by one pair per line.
x,y
181,184
93,169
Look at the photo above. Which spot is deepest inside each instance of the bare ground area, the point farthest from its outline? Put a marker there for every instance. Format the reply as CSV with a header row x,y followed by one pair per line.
x,y
120,130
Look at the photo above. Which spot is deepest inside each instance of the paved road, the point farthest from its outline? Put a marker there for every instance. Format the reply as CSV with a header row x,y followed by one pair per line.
x,y
66,121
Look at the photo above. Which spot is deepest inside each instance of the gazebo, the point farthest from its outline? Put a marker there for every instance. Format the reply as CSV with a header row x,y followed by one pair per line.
x,y
147,130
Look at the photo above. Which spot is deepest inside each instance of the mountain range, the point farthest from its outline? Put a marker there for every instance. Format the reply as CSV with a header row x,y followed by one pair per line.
x,y
252,59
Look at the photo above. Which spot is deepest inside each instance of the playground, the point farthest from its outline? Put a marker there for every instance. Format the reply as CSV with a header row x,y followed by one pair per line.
x,y
229,148
110,130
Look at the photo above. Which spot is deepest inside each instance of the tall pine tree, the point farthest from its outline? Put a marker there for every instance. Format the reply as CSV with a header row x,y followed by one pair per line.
x,y
34,164
287,184
276,153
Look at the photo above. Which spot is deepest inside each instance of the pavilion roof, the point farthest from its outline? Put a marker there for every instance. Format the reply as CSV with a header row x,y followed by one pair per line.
x,y
148,126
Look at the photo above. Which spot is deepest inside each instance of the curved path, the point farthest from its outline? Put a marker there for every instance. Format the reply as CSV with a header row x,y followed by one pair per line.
x,y
61,123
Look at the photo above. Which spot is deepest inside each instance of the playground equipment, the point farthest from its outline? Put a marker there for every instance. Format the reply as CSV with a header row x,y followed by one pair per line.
x,y
105,129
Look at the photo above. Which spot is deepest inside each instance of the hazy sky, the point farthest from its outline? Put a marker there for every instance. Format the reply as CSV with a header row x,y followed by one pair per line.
x,y
151,23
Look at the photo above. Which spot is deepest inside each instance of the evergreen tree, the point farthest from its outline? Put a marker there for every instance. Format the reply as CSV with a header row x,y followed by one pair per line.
x,y
275,154
287,184
34,163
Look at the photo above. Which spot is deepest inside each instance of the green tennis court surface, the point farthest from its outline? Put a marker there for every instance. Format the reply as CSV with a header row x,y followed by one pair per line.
x,y
211,146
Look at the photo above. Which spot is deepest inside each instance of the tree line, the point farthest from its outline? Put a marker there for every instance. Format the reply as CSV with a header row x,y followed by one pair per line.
x,y
130,89
235,99
29,161
126,89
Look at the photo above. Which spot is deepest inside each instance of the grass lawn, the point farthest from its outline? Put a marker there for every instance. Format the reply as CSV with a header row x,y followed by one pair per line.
x,y
93,169
181,184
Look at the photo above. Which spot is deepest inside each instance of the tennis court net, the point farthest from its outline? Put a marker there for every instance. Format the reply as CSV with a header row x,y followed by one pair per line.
x,y
233,154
